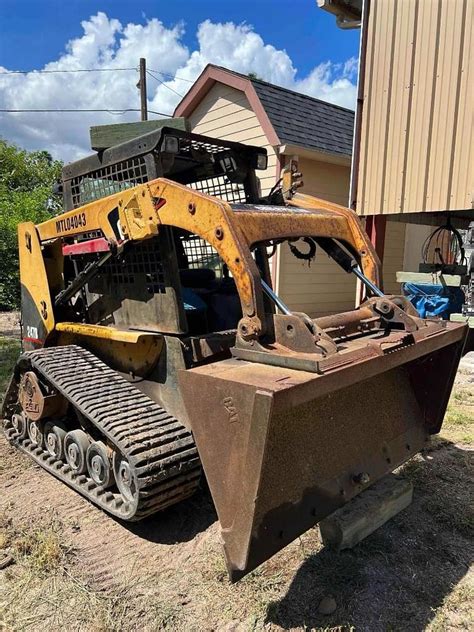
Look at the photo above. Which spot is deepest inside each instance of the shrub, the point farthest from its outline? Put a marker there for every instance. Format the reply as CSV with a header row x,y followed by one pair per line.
x,y
26,185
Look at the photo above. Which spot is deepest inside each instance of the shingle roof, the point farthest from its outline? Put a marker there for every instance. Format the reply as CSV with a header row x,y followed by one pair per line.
x,y
305,121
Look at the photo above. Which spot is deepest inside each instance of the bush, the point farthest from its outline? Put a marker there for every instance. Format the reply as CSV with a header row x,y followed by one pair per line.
x,y
26,184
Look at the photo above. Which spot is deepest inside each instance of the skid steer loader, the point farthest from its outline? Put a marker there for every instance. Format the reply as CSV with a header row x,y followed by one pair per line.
x,y
154,347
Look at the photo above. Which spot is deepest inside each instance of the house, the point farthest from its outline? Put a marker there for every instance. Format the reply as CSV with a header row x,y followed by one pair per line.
x,y
291,126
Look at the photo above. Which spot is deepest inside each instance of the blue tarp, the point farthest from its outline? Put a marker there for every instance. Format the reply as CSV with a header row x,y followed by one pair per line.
x,y
434,300
192,302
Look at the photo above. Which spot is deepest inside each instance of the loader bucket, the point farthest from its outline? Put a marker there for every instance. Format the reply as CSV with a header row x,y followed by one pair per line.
x,y
282,449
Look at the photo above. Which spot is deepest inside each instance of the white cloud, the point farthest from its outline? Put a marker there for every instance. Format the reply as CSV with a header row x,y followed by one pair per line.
x,y
106,43
330,82
349,69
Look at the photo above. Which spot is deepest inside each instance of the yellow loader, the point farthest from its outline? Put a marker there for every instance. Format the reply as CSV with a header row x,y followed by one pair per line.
x,y
155,349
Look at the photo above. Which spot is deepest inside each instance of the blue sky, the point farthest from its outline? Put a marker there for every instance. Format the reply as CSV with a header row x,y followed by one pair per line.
x,y
287,42
35,32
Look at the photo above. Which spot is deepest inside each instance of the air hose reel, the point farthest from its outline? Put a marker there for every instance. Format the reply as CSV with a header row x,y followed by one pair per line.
x,y
305,256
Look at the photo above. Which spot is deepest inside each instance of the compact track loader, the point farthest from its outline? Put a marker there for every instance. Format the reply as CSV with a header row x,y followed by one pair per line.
x,y
154,347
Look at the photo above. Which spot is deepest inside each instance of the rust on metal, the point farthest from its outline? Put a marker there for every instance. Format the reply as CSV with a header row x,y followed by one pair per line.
x,y
282,448
34,402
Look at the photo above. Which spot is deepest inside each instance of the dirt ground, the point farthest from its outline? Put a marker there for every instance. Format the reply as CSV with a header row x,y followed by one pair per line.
x,y
74,567
10,324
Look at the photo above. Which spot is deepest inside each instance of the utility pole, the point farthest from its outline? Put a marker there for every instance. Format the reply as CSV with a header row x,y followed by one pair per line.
x,y
142,86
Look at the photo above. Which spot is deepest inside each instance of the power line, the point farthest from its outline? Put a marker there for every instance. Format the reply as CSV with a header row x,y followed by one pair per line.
x,y
46,72
84,110
164,84
170,76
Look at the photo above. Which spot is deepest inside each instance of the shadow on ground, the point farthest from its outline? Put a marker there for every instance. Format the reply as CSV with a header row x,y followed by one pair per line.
x,y
179,523
397,577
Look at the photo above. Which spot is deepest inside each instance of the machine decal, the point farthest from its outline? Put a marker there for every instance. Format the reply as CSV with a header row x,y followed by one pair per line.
x,y
232,412
32,332
33,340
79,220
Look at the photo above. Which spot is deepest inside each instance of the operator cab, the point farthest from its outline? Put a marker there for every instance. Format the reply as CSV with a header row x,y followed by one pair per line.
x,y
175,282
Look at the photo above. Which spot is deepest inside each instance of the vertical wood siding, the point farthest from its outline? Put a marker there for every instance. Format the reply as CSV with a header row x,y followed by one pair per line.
x,y
416,134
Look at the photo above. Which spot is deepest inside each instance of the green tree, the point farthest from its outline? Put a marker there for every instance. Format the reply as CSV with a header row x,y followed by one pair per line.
x,y
26,194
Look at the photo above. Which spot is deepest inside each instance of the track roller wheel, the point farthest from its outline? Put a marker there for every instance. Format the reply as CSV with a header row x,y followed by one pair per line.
x,y
76,443
55,434
36,433
20,423
98,464
125,478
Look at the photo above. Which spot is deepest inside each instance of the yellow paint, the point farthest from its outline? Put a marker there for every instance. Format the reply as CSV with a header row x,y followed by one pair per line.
x,y
213,220
101,331
350,231
134,352
138,217
33,273
135,208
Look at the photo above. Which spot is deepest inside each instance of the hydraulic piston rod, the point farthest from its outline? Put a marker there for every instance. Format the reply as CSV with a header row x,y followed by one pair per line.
x,y
367,282
276,299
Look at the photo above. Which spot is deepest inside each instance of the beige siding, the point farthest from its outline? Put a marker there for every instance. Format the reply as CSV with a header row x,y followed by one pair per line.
x,y
394,254
415,236
416,133
322,288
226,113
325,180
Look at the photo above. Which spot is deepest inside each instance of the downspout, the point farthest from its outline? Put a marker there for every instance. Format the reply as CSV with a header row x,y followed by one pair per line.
x,y
358,124
359,107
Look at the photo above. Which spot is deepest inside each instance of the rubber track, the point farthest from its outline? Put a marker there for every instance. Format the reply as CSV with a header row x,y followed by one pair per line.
x,y
157,446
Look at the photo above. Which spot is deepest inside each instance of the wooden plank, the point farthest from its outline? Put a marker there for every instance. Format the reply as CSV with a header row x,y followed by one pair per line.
x,y
430,278
105,136
461,318
365,513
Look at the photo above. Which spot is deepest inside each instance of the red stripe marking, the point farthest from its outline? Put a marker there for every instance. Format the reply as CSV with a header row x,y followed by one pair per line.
x,y
36,341
158,203
87,247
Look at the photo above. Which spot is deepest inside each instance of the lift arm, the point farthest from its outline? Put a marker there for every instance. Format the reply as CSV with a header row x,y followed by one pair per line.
x,y
137,213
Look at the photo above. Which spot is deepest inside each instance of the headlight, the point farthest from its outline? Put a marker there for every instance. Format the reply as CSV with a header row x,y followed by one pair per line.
x,y
262,161
170,145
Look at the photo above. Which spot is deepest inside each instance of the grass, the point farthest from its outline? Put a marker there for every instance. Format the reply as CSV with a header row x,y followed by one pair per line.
x,y
458,425
61,601
9,352
42,591
40,547
456,610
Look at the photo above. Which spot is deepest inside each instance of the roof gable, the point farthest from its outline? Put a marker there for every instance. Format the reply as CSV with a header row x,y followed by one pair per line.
x,y
286,116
